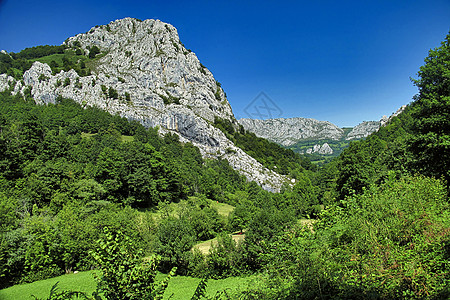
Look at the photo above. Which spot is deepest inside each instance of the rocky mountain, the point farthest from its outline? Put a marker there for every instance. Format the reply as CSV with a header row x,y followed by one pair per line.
x,y
287,132
324,149
363,130
143,72
311,136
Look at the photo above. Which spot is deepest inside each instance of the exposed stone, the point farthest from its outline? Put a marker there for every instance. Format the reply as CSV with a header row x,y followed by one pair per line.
x,y
385,120
167,85
324,149
363,130
287,132
6,82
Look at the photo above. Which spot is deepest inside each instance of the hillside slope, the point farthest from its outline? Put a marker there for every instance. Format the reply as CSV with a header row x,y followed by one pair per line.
x,y
140,70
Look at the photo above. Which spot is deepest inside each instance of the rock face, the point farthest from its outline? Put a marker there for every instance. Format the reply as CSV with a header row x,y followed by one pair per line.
x,y
363,130
324,149
287,132
158,82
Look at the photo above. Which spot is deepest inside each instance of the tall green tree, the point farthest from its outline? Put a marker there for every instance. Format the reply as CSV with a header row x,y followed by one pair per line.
x,y
430,143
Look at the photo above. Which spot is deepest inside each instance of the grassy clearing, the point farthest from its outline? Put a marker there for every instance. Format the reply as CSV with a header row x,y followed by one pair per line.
x,y
206,245
309,223
180,287
126,138
123,138
47,59
85,135
183,287
173,209
222,208
82,281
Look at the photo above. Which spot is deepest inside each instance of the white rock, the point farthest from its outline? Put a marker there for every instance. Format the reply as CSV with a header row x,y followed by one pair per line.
x,y
146,60
287,132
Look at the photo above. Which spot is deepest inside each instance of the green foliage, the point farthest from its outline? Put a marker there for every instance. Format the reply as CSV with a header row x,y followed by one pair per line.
x,y
169,99
302,198
93,51
174,240
431,114
112,93
265,226
124,273
57,57
39,51
225,259
390,242
271,155
368,161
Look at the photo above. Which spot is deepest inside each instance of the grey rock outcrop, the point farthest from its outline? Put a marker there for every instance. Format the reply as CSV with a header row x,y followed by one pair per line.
x,y
363,130
6,82
324,149
385,120
158,83
287,132
290,131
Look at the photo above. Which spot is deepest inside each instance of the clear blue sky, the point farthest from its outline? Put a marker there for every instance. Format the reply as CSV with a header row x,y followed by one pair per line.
x,y
340,61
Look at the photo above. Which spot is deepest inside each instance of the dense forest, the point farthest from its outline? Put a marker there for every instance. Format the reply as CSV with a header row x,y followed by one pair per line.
x,y
80,188
67,173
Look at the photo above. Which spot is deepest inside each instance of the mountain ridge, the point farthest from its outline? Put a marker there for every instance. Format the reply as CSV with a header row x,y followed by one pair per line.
x,y
140,70
288,131
294,132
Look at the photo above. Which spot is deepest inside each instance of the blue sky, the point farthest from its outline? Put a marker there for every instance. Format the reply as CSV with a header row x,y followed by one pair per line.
x,y
340,61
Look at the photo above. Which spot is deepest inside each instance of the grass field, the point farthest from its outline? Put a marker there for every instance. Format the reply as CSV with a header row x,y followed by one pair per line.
x,y
123,138
180,287
173,209
56,57
222,208
83,281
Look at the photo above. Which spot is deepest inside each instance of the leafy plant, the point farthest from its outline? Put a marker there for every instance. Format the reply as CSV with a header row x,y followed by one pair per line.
x,y
124,273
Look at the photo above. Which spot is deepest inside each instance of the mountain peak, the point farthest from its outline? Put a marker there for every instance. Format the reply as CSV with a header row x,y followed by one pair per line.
x,y
140,70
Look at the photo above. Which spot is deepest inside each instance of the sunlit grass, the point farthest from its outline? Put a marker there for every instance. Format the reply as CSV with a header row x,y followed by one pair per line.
x,y
82,281
180,287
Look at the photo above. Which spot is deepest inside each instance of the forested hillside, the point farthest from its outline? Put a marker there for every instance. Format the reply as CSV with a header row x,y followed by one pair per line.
x,y
69,172
385,232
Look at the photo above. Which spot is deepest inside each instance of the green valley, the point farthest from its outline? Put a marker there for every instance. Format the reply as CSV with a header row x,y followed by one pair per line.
x,y
134,197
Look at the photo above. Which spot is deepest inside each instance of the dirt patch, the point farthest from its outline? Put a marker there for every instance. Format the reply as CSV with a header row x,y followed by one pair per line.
x,y
309,223
206,245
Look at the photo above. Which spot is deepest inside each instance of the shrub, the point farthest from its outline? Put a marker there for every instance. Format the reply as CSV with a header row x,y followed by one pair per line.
x,y
124,273
93,51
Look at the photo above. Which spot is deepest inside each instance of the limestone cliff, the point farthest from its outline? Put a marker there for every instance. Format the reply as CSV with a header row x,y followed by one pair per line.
x,y
287,132
157,81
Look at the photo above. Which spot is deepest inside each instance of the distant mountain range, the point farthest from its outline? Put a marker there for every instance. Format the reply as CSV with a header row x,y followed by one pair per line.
x,y
310,136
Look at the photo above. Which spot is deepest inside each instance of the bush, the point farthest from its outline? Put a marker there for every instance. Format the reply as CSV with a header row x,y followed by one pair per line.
x,y
225,259
174,241
93,51
124,273
391,242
